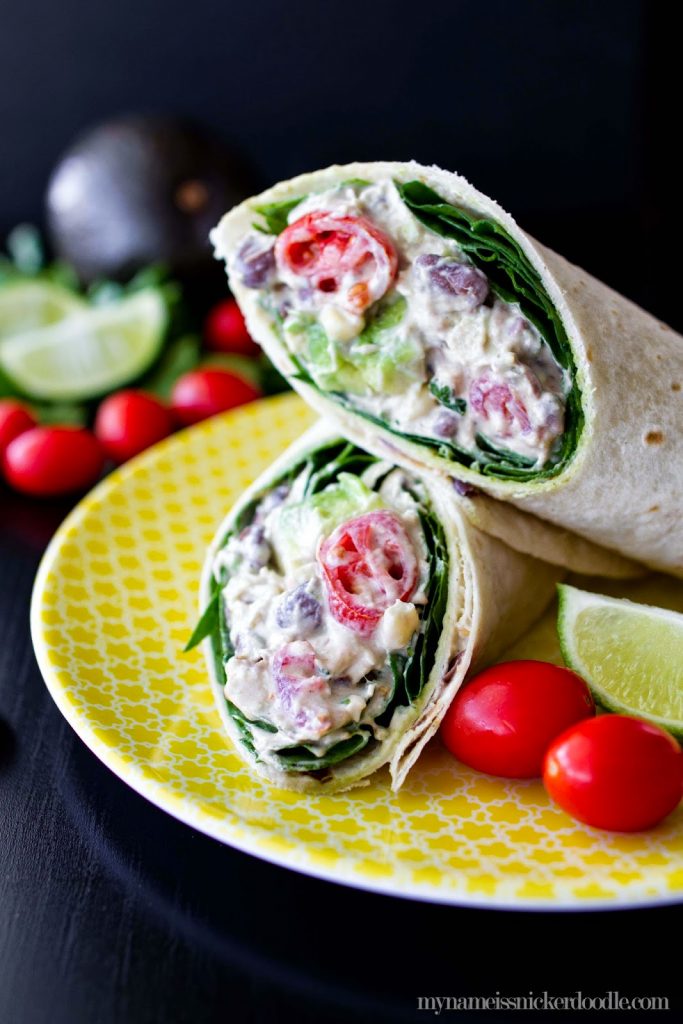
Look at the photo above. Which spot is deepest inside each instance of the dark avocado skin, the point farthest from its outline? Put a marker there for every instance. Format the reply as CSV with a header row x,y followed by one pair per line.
x,y
140,190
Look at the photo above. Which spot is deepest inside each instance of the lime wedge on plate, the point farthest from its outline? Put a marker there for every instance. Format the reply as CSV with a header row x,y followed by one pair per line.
x,y
90,352
631,655
27,305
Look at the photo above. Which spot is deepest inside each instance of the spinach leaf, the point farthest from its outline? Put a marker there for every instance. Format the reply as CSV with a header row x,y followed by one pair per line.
x,y
438,596
207,623
276,214
349,460
503,455
301,759
443,394
249,722
411,670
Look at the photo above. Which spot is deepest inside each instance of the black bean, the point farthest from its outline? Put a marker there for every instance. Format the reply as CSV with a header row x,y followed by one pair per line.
x,y
255,262
465,490
299,610
254,546
459,280
446,424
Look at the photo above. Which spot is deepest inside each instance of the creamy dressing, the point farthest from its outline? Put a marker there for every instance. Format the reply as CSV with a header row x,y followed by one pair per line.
x,y
455,334
312,679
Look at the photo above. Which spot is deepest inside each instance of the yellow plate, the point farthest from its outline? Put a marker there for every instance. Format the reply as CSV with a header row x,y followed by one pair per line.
x,y
114,602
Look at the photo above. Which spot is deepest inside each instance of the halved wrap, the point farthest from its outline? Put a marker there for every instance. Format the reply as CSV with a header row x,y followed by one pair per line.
x,y
344,600
414,310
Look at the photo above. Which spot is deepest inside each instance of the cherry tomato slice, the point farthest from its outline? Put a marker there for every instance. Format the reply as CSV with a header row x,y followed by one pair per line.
x,y
46,461
130,421
503,720
368,564
203,393
347,257
15,418
615,772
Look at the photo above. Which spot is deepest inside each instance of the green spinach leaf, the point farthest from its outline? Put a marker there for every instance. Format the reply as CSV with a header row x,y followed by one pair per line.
x,y
207,623
443,394
276,214
301,759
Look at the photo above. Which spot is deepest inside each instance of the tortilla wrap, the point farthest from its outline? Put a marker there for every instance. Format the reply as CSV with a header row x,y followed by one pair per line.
x,y
493,595
621,483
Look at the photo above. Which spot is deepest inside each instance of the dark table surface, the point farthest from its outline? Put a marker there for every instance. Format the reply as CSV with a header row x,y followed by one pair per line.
x,y
110,910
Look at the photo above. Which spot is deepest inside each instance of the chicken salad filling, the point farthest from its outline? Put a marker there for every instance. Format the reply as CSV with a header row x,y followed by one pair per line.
x,y
327,604
420,317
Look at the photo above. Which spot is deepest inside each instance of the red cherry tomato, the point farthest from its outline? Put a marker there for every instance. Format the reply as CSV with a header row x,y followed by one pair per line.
x,y
203,393
15,418
130,421
615,772
345,256
46,461
368,563
503,720
226,331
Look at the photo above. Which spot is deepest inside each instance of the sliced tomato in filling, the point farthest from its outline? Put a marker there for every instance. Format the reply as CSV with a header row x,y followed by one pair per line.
x,y
368,564
347,257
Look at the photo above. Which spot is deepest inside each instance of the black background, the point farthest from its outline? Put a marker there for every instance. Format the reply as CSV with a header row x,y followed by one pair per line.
x,y
568,112
565,110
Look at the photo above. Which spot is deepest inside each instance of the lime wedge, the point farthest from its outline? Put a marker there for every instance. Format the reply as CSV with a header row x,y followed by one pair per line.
x,y
631,655
89,353
27,305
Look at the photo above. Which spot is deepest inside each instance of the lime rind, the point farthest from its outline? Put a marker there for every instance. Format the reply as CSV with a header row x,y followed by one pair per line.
x,y
631,655
89,353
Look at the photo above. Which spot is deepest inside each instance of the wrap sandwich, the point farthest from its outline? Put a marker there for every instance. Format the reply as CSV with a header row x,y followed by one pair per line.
x,y
410,307
344,600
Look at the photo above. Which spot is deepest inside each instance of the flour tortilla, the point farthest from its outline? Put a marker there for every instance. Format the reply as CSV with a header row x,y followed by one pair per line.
x,y
495,594
623,489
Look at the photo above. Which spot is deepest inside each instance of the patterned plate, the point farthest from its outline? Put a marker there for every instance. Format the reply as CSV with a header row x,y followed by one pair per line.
x,y
114,602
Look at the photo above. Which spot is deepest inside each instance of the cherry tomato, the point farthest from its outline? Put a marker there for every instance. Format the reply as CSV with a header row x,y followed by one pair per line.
x,y
226,331
203,393
615,772
503,720
46,461
368,563
130,421
15,418
345,256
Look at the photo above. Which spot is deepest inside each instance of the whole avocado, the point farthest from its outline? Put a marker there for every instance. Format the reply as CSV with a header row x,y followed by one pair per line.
x,y
138,190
